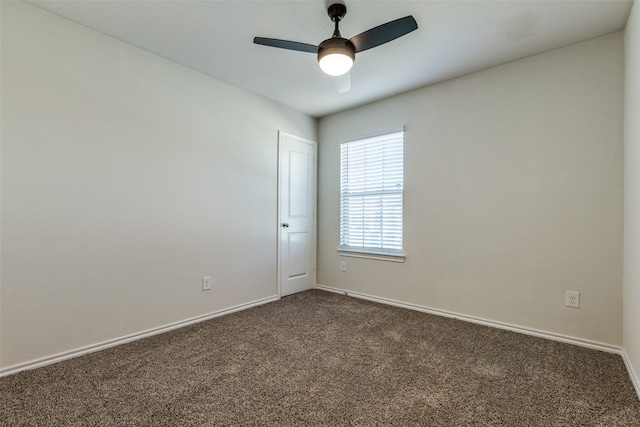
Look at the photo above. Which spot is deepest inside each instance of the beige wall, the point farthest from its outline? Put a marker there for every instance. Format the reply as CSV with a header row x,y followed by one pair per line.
x,y
125,179
632,195
514,193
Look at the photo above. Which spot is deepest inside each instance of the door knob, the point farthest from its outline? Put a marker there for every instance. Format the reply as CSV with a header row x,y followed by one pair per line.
x,y
285,224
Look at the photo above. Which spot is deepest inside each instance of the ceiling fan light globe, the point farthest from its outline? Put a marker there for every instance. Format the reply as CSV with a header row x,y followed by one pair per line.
x,y
336,64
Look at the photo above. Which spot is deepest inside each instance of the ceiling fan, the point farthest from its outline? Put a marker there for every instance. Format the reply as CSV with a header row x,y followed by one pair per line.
x,y
337,54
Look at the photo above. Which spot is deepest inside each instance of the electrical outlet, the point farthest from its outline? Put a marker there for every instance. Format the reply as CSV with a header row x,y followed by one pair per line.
x,y
206,283
343,265
573,299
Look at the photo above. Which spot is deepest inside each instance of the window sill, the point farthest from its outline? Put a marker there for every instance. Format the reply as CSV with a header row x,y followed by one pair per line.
x,y
380,256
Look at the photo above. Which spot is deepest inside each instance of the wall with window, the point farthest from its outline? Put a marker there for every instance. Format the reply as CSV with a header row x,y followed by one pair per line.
x,y
513,193
632,195
126,178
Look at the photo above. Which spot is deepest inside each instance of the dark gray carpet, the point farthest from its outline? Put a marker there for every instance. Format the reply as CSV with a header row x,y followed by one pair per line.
x,y
318,358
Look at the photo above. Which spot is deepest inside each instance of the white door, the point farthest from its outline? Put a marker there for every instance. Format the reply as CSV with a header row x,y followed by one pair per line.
x,y
297,219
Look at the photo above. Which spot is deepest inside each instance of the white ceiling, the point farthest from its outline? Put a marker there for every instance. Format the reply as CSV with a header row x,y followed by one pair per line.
x,y
454,38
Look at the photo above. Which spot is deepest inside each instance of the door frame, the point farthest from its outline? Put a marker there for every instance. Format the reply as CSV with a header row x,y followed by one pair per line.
x,y
314,144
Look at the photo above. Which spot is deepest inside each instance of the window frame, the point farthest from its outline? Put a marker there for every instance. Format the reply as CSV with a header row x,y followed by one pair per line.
x,y
370,252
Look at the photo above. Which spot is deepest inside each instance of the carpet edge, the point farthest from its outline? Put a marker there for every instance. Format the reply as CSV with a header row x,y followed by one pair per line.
x,y
478,320
81,351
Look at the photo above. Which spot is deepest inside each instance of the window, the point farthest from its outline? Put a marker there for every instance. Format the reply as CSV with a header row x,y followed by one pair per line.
x,y
371,187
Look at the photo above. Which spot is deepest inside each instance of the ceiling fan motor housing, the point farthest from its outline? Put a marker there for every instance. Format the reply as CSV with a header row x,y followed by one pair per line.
x,y
337,45
336,50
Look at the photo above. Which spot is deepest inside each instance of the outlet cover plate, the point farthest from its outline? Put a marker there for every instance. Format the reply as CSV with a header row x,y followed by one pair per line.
x,y
206,283
573,299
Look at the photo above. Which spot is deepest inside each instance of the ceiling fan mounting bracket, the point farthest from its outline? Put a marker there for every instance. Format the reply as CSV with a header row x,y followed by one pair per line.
x,y
337,11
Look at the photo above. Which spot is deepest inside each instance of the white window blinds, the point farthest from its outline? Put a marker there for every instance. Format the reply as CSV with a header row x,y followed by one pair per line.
x,y
371,187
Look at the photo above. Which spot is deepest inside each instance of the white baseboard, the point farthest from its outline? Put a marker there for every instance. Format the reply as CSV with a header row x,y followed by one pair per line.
x,y
635,380
129,338
478,320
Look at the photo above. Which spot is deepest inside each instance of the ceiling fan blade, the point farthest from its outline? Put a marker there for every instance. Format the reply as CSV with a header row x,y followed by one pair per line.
x,y
286,44
384,33
343,83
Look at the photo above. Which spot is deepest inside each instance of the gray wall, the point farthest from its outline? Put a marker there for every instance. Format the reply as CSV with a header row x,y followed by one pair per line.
x,y
514,193
125,179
